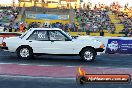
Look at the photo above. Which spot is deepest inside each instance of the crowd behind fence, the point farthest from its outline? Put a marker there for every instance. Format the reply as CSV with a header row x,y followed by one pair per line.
x,y
95,20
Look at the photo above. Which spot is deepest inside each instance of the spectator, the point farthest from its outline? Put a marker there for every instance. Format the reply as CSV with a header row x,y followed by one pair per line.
x,y
26,25
10,29
95,27
5,28
16,27
87,32
126,31
22,28
130,33
101,33
113,29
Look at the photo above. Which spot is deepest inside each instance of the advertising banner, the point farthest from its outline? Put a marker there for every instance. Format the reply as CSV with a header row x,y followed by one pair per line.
x,y
119,46
47,16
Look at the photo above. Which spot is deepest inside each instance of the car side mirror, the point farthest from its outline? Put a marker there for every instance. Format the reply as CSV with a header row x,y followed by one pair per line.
x,y
68,39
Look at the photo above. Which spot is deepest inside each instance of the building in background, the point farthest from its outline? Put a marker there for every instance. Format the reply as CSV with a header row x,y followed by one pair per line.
x,y
50,3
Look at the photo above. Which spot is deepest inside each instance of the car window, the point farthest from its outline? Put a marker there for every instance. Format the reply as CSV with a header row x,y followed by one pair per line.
x,y
57,36
39,35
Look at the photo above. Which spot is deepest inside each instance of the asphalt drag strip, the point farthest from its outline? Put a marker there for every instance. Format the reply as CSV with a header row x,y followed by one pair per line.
x,y
49,82
57,71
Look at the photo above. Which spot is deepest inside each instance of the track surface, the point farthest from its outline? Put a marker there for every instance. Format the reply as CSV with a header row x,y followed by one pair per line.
x,y
121,61
9,64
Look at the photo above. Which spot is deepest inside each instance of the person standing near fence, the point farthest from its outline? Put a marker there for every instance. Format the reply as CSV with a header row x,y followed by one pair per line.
x,y
130,33
87,29
22,27
101,32
10,27
5,28
16,27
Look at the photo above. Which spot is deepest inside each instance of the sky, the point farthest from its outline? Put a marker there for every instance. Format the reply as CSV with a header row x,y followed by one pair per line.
x,y
107,2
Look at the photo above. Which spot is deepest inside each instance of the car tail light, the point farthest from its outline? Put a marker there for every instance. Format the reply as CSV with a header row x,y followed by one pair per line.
x,y
4,44
102,46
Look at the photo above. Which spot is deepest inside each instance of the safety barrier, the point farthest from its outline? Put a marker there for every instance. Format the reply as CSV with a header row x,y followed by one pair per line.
x,y
121,45
49,21
77,33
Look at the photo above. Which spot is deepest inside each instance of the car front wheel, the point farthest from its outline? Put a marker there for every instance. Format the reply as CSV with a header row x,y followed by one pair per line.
x,y
24,52
88,54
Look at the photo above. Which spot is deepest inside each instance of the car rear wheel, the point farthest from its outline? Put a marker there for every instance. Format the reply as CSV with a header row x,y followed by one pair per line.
x,y
24,52
88,54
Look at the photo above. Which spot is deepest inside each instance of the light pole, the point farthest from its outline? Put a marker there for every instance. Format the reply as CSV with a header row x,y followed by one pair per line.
x,y
13,3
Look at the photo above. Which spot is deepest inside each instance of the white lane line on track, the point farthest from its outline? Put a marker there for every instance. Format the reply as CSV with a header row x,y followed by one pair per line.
x,y
33,77
34,64
64,66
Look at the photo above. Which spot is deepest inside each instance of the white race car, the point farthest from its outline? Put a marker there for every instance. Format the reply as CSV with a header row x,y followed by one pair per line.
x,y
37,41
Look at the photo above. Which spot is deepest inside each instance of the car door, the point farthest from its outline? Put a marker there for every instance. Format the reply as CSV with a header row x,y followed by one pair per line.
x,y
39,41
60,44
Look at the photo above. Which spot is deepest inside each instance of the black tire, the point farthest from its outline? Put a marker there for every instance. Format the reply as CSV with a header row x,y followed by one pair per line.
x,y
29,49
85,57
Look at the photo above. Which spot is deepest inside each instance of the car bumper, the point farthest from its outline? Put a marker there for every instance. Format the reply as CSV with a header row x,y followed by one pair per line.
x,y
4,48
99,49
